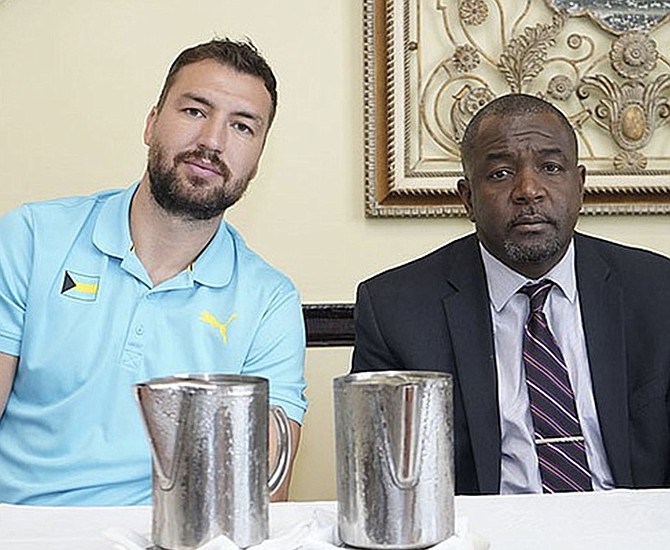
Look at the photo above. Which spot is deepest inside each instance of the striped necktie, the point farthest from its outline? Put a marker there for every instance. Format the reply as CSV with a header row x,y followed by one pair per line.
x,y
558,435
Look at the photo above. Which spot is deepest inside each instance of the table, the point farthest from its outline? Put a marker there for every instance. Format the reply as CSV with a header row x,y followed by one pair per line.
x,y
613,520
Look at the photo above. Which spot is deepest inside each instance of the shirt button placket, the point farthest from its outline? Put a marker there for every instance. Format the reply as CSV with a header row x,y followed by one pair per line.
x,y
133,353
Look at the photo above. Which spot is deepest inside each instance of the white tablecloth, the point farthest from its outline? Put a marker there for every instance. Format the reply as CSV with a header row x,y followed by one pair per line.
x,y
611,520
615,520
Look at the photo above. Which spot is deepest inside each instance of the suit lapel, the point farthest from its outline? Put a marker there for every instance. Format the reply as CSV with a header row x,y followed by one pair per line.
x,y
469,323
601,300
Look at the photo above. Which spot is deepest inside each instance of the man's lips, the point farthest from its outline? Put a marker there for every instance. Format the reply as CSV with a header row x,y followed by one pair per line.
x,y
530,222
203,168
203,163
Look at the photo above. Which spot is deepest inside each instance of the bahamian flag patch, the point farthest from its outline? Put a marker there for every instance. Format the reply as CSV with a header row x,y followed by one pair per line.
x,y
80,287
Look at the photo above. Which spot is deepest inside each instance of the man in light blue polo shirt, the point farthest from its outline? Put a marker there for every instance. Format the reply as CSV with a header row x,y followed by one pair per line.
x,y
98,293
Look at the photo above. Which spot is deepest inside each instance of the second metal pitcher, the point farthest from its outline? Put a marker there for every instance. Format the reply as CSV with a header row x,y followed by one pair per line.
x,y
209,442
394,448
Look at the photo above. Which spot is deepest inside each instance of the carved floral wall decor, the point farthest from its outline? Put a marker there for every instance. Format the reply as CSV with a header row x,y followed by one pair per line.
x,y
431,64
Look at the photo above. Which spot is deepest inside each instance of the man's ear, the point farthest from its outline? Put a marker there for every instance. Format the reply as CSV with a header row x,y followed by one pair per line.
x,y
582,176
465,193
149,125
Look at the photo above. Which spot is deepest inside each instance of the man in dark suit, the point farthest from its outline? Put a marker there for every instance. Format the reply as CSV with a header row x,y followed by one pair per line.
x,y
459,310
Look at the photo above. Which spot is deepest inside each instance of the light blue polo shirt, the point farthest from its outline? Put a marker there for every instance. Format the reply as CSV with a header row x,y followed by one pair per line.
x,y
78,308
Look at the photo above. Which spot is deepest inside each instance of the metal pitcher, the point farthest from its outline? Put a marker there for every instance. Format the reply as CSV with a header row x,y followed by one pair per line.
x,y
394,445
209,441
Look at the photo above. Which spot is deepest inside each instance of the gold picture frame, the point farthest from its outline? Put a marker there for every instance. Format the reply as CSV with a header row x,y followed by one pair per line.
x,y
412,121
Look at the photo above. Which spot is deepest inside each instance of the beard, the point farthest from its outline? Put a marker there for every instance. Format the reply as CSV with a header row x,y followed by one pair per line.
x,y
533,249
192,197
531,253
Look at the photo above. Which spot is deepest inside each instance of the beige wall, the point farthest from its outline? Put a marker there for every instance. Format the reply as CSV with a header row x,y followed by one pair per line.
x,y
77,78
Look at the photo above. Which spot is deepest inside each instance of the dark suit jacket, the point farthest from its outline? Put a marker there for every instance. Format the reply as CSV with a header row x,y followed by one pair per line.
x,y
433,314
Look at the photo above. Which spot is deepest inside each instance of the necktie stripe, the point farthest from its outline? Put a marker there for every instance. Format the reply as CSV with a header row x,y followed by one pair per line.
x,y
551,403
569,484
541,347
540,351
568,456
552,456
542,430
563,466
549,375
560,474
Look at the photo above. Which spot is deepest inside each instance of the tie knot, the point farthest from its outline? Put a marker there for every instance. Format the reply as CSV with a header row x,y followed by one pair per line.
x,y
537,294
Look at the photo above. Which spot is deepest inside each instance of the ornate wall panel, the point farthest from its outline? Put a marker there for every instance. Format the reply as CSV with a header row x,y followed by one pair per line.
x,y
431,64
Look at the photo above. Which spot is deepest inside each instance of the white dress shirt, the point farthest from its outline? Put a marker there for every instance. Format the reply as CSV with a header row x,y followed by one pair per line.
x,y
520,472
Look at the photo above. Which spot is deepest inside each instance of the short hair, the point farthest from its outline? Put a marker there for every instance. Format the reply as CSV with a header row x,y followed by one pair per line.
x,y
242,56
510,105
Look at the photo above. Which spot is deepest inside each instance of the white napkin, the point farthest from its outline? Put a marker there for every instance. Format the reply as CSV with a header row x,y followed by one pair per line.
x,y
318,533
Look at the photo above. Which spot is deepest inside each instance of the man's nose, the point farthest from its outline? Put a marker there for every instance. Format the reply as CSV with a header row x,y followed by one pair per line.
x,y
528,186
212,135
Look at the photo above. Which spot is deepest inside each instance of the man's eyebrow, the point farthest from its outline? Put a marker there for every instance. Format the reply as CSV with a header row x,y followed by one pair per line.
x,y
553,151
545,152
251,116
498,155
198,99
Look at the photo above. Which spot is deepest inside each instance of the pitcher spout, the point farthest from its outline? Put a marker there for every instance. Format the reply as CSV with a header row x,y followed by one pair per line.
x,y
401,413
164,408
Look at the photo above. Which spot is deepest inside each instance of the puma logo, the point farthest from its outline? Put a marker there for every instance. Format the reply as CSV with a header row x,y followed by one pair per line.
x,y
207,317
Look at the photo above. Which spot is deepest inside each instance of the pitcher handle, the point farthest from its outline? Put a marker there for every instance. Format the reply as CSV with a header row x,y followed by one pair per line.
x,y
282,461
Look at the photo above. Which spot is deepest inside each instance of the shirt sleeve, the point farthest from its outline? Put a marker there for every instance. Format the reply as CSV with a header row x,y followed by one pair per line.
x,y
16,260
278,352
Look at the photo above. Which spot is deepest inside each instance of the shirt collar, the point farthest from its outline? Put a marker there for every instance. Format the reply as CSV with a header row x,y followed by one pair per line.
x,y
214,266
111,234
503,282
